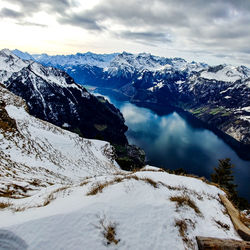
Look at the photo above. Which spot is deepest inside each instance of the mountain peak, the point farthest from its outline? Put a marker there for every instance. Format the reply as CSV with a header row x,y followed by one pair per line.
x,y
7,52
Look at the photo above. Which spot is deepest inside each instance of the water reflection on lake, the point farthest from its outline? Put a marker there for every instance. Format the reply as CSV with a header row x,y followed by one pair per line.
x,y
170,141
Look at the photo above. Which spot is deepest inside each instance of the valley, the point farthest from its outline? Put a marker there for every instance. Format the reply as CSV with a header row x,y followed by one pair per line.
x,y
218,95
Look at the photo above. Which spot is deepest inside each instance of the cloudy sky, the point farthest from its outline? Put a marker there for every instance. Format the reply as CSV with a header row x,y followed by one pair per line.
x,y
212,31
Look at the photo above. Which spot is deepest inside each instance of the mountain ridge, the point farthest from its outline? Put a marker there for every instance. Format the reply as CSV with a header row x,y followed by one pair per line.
x,y
52,95
218,95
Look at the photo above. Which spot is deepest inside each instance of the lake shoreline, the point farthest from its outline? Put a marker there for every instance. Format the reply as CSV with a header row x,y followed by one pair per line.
x,y
242,150
205,146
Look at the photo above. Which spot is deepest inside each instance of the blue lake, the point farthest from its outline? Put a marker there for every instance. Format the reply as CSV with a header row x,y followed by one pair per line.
x,y
172,141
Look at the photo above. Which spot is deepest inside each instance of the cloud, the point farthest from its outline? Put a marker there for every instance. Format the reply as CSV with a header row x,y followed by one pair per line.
x,y
32,24
145,37
195,23
30,7
220,27
9,13
85,22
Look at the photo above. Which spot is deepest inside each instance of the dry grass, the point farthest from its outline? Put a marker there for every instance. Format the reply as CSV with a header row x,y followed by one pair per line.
x,y
150,181
185,201
150,170
51,196
98,188
244,219
4,205
109,232
182,225
84,183
35,182
19,209
7,124
222,225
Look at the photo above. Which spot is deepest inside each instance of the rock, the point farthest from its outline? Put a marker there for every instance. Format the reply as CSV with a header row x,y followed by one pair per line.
x,y
242,230
207,243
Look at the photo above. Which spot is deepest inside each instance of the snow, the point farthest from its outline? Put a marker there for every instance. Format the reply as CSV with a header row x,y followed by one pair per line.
x,y
145,217
9,64
246,109
13,66
245,118
91,59
58,169
41,150
227,74
157,85
56,211
65,125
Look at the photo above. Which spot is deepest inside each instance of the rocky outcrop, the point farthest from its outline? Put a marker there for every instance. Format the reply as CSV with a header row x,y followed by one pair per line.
x,y
242,229
208,243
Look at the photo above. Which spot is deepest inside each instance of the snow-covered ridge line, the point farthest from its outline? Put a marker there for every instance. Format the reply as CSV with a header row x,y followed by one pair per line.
x,y
141,61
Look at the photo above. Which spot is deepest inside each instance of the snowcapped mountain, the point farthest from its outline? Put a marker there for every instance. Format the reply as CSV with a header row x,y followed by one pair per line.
x,y
88,58
52,95
60,191
217,95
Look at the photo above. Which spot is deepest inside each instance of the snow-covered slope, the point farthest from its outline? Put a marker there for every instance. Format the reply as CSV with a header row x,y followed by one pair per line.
x,y
34,150
226,73
60,191
9,64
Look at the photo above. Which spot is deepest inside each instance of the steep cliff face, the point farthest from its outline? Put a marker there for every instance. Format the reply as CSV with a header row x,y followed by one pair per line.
x,y
52,95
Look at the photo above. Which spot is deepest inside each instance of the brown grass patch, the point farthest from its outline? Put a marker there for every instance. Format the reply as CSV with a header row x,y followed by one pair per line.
x,y
109,232
51,196
222,225
98,188
84,183
185,201
7,124
151,170
150,181
4,205
182,225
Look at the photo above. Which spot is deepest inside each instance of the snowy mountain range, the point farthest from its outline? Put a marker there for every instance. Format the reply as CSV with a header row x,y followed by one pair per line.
x,y
217,95
52,95
61,191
